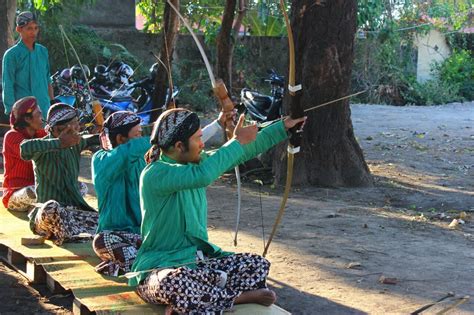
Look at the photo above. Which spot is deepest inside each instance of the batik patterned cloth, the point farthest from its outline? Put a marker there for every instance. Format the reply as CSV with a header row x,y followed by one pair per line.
x,y
83,189
65,223
121,121
117,250
210,288
23,199
59,113
173,125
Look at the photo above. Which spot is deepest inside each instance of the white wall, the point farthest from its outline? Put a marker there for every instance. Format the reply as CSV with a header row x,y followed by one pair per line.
x,y
431,47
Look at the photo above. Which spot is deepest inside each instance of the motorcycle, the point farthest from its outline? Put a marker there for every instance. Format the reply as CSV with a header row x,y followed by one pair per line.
x,y
264,108
69,87
113,86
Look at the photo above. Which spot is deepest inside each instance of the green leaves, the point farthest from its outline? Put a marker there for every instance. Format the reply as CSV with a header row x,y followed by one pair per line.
x,y
45,5
263,17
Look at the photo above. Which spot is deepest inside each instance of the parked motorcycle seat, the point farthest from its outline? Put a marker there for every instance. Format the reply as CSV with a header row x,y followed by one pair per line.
x,y
260,101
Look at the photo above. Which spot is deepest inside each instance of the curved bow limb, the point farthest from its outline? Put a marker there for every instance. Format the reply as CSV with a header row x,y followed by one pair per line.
x,y
295,132
222,95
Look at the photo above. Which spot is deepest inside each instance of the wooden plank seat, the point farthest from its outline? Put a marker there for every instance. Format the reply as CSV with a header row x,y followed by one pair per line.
x,y
71,268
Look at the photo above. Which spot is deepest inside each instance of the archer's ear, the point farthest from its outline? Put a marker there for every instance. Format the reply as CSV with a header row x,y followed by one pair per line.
x,y
120,139
179,147
54,131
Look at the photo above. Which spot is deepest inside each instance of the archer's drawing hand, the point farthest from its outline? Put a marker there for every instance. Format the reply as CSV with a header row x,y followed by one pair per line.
x,y
69,137
245,134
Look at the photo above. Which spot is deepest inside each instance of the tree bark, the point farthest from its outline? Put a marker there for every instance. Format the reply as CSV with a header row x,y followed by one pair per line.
x,y
7,24
324,43
225,45
240,17
170,32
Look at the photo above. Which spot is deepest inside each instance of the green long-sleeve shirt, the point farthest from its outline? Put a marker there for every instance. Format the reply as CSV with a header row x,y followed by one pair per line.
x,y
26,73
174,205
57,170
116,174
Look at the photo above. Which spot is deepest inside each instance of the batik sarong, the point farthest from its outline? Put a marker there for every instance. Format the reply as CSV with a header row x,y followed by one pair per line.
x,y
65,223
210,288
23,199
117,250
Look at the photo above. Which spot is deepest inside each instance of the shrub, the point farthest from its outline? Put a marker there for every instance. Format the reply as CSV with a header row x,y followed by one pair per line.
x,y
458,69
431,92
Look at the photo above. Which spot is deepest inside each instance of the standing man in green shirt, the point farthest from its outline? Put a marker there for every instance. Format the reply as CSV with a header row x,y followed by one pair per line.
x,y
64,213
176,264
26,67
116,173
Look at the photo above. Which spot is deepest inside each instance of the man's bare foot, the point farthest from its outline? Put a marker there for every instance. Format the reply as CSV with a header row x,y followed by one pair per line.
x,y
264,297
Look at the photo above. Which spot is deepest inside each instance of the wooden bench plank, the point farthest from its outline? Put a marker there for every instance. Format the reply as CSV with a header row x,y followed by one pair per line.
x,y
71,267
35,272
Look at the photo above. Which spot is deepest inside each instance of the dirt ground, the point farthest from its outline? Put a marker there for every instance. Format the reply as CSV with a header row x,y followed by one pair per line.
x,y
334,246
17,297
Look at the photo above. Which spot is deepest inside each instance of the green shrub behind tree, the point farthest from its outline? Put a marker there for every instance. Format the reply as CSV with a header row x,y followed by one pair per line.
x,y
458,69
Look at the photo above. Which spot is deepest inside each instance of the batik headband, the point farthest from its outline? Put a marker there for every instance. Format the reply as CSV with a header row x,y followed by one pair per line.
x,y
24,18
23,106
173,126
60,113
118,122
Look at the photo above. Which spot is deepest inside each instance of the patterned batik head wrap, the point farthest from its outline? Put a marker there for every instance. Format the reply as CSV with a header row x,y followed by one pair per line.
x,y
24,18
118,122
23,106
172,126
60,113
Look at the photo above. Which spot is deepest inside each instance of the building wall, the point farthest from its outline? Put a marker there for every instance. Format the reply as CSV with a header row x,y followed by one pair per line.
x,y
432,47
109,13
264,52
114,21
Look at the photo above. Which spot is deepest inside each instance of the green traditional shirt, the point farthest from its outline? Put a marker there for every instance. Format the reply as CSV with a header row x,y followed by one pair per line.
x,y
174,205
116,174
56,169
26,73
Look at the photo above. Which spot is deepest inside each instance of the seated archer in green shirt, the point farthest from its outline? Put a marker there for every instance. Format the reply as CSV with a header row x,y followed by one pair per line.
x,y
116,172
64,214
176,264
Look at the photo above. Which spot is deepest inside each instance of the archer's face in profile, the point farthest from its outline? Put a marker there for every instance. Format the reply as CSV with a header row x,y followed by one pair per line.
x,y
191,153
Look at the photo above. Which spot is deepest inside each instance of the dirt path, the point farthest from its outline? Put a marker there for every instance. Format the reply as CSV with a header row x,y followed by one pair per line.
x,y
334,244
422,159
17,297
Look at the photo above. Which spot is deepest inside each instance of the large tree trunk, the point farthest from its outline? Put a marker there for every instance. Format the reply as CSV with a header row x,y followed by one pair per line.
x,y
170,32
225,45
324,42
7,11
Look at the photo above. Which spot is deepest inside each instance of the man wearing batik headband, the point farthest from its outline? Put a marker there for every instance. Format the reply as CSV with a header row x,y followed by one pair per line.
x,y
25,68
116,175
26,122
191,274
64,213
